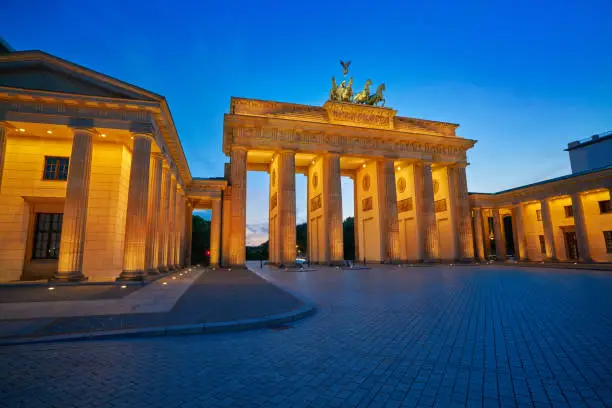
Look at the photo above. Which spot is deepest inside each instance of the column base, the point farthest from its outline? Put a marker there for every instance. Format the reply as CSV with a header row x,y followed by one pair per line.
x,y
132,276
152,271
74,276
162,269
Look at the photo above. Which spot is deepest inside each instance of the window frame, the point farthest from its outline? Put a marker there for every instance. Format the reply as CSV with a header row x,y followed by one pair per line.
x,y
51,230
539,215
609,204
570,213
58,162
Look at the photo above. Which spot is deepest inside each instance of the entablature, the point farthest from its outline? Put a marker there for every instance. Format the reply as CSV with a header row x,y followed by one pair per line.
x,y
563,187
272,133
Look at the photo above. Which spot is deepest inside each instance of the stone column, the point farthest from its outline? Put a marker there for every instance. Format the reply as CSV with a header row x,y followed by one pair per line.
x,y
429,227
479,234
171,223
215,232
153,218
136,216
188,233
549,238
487,234
500,240
226,226
387,202
286,207
454,211
180,217
518,231
332,200
464,216
356,218
582,237
163,232
3,136
72,240
237,250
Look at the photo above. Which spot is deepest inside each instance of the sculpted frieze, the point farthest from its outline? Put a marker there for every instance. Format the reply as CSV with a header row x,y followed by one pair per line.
x,y
312,140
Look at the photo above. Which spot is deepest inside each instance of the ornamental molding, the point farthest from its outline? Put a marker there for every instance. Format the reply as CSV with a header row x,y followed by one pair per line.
x,y
601,180
359,115
55,108
260,133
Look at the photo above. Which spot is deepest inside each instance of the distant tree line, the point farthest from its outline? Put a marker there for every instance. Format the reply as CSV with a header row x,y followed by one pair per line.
x,y
200,244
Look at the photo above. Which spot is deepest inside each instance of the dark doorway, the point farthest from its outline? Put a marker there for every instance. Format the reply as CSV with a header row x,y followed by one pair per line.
x,y
509,235
571,245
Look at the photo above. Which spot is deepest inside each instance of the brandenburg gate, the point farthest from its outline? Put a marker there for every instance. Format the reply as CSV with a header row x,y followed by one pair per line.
x,y
410,199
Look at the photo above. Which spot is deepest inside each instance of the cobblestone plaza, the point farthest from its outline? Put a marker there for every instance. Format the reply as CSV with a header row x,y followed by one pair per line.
x,y
425,336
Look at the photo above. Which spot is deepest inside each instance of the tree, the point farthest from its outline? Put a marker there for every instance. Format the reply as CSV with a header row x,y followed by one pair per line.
x,y
348,233
200,243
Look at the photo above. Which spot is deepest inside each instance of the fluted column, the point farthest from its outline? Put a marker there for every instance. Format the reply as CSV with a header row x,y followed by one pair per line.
x,y
518,231
464,216
454,211
136,216
582,237
163,232
179,217
3,136
237,250
549,238
72,242
226,226
171,224
387,202
215,232
286,207
479,234
332,199
356,218
500,240
487,234
188,233
153,218
429,227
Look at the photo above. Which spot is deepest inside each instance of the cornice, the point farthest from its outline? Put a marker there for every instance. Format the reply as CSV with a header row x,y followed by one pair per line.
x,y
72,68
555,188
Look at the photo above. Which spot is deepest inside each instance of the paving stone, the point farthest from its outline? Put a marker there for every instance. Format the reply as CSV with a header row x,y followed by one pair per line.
x,y
388,336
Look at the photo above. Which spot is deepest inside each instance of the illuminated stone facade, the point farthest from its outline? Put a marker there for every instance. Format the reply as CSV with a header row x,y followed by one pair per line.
x,y
565,219
93,180
94,184
411,200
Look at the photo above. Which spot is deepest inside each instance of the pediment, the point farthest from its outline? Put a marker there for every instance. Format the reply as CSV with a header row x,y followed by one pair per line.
x,y
44,72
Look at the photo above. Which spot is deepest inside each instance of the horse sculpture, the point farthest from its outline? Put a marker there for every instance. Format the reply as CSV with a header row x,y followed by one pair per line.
x,y
363,96
341,93
377,97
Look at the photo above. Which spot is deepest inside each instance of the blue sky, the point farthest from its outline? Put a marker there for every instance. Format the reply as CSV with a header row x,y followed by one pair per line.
x,y
523,78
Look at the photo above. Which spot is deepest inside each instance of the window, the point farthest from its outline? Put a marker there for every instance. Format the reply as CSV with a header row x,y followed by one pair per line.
x,y
569,211
542,244
56,168
47,235
605,207
440,205
539,215
608,239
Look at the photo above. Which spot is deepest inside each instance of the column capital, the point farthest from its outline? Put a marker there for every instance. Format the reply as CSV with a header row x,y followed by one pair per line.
x,y
157,156
144,128
239,149
459,165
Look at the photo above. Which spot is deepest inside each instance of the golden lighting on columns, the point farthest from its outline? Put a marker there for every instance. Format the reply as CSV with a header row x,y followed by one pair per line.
x,y
136,217
72,242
